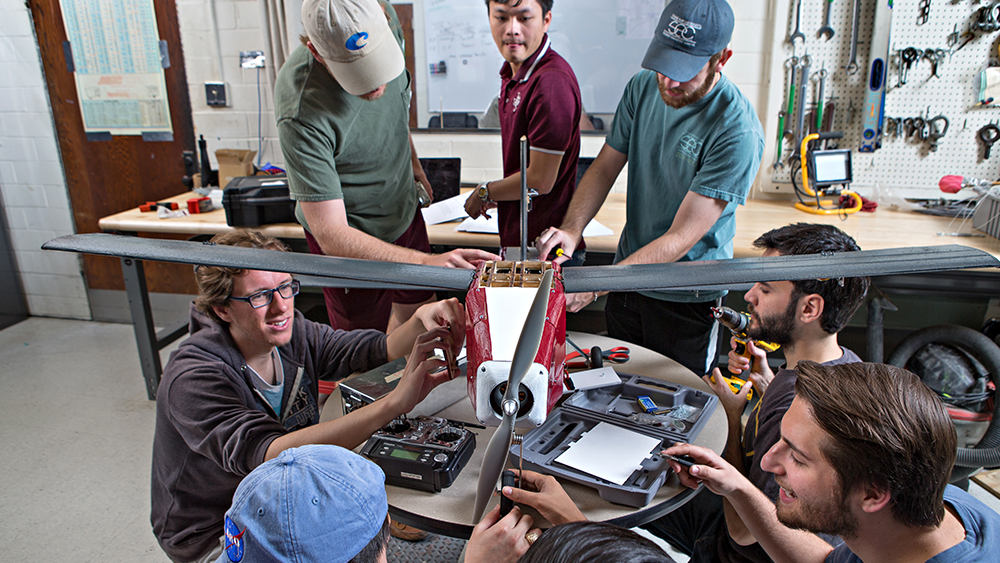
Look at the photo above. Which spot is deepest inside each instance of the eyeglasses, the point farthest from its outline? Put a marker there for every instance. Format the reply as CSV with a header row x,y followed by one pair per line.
x,y
263,297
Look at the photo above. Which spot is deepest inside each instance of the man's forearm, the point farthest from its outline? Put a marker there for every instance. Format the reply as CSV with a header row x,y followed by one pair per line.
x,y
348,431
593,189
346,241
542,173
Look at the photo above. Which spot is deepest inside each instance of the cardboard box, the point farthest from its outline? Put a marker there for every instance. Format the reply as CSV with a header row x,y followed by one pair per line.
x,y
234,163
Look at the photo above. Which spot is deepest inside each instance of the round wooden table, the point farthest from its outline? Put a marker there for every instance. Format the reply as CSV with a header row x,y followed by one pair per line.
x,y
449,512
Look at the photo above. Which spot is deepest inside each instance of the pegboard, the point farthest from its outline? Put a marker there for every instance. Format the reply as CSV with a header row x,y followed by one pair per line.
x,y
907,167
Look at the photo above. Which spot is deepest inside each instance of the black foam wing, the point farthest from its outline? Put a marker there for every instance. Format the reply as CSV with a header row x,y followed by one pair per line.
x,y
713,274
331,271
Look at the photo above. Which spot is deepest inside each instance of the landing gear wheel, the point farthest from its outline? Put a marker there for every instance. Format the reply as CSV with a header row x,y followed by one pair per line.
x,y
596,358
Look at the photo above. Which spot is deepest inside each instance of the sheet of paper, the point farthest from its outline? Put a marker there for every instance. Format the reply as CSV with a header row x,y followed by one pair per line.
x,y
444,211
595,229
609,452
490,226
480,224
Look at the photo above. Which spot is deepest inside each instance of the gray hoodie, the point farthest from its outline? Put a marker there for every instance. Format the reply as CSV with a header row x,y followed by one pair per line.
x,y
213,427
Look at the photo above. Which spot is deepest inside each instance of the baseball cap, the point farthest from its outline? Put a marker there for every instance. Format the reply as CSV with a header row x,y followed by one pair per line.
x,y
355,41
688,34
312,503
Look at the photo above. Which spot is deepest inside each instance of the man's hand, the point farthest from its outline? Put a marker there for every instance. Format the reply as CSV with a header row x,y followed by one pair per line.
x,y
759,372
423,370
547,496
475,206
716,473
732,403
500,540
467,258
448,313
577,301
553,237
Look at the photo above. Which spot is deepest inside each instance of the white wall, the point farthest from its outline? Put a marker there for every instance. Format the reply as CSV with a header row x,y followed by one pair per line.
x,y
31,175
240,29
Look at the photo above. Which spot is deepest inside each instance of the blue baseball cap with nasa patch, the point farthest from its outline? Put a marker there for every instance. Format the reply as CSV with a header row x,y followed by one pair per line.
x,y
688,34
312,503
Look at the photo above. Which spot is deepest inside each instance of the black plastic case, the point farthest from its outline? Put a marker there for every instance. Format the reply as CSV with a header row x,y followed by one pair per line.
x,y
617,404
251,201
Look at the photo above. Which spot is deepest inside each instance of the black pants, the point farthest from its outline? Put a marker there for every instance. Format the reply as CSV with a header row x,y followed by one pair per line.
x,y
698,529
685,332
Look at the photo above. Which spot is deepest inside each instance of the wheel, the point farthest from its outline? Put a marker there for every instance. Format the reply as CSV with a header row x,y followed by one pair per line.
x,y
986,453
596,358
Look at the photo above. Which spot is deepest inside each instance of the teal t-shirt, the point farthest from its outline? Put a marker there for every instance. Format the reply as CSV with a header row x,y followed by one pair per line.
x,y
339,146
712,147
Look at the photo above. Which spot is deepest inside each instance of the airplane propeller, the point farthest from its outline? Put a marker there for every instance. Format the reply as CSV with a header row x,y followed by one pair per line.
x,y
524,355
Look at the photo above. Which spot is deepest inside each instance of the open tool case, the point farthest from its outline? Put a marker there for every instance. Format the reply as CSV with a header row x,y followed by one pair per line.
x,y
688,410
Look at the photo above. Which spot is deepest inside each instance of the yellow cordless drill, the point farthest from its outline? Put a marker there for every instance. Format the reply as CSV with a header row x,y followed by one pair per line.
x,y
737,323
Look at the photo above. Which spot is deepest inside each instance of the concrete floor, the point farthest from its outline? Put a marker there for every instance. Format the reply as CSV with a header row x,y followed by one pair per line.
x,y
77,431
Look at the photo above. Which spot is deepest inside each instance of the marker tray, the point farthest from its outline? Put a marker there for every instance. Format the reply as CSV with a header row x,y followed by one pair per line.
x,y
618,405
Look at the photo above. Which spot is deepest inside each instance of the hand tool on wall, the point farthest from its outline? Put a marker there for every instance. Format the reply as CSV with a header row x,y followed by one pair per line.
x,y
797,34
988,134
937,127
794,63
778,163
819,98
800,108
923,11
852,63
826,30
871,131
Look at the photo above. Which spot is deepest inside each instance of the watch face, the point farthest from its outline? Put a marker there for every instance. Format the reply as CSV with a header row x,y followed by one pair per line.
x,y
484,192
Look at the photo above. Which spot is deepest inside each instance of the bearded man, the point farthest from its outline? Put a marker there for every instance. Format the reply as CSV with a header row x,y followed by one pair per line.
x,y
693,144
804,317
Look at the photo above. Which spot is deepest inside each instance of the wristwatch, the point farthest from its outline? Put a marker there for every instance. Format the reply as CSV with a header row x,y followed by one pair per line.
x,y
483,191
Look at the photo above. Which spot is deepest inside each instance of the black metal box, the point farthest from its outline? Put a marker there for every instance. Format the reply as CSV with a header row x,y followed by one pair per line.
x,y
251,201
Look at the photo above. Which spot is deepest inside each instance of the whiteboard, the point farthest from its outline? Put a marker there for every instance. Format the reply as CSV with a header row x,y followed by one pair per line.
x,y
603,40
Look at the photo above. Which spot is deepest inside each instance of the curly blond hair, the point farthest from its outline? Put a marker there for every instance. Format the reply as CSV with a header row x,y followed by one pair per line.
x,y
215,283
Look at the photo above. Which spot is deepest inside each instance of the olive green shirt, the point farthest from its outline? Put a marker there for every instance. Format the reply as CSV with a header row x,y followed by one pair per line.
x,y
339,146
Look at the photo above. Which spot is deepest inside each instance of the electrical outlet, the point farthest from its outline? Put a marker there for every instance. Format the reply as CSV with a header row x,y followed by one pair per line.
x,y
215,94
252,59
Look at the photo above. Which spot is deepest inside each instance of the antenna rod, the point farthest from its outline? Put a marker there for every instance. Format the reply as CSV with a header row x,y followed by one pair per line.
x,y
524,197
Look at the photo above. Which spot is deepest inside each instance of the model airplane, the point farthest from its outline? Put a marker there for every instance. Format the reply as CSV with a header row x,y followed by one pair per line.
x,y
513,381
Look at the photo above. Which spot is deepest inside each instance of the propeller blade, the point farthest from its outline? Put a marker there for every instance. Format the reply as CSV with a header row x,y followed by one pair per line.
x,y
531,336
333,271
524,355
725,273
493,461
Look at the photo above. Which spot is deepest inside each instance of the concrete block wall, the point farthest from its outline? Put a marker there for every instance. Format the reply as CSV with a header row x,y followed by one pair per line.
x,y
236,125
32,185
240,29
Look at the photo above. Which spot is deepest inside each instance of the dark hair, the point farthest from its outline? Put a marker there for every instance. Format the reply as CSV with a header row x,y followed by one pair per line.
x,y
370,552
841,296
592,541
545,4
886,429
215,283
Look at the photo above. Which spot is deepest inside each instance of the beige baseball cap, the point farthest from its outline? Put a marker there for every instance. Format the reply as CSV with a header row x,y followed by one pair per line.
x,y
355,41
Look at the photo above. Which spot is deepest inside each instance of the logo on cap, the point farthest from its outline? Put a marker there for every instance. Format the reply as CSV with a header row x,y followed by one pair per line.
x,y
234,541
681,30
357,41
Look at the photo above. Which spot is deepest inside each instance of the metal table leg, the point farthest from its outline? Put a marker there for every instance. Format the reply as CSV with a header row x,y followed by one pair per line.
x,y
147,340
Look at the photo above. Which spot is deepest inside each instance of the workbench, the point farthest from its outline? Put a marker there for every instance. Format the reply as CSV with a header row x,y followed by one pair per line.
x,y
882,229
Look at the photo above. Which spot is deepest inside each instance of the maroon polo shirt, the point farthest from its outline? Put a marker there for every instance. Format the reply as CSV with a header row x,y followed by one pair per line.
x,y
542,102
